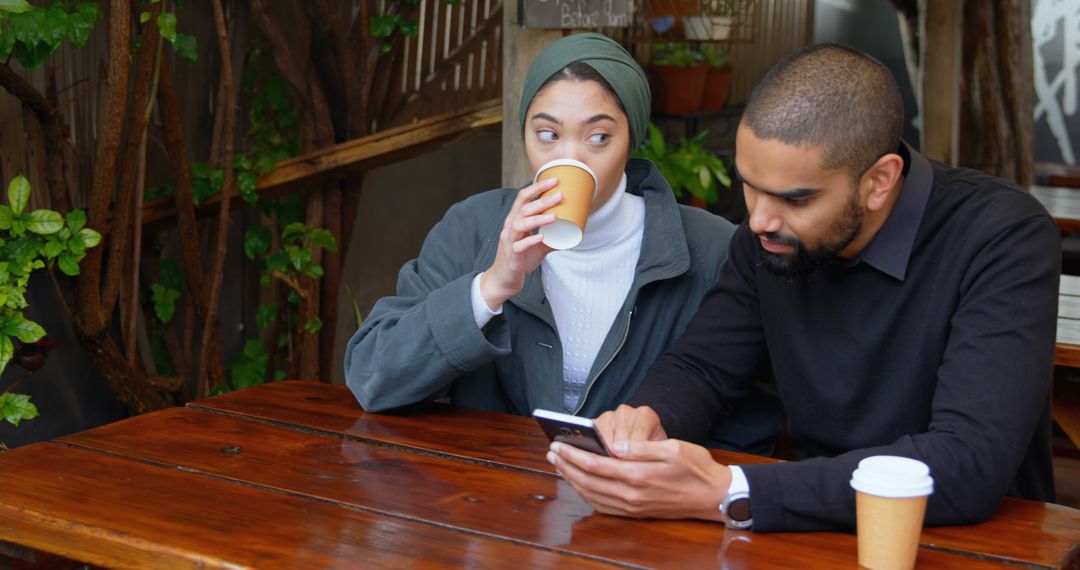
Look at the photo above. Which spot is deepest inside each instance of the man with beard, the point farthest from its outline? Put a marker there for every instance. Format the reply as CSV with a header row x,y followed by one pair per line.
x,y
904,307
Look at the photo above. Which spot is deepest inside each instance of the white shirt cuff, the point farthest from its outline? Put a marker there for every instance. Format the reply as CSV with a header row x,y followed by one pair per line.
x,y
480,310
738,480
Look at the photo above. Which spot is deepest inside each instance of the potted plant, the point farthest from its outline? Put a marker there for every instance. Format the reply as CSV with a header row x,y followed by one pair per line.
x,y
713,20
694,172
679,77
718,78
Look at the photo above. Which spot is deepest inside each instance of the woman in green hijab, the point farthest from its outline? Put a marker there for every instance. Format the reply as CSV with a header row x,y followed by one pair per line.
x,y
494,318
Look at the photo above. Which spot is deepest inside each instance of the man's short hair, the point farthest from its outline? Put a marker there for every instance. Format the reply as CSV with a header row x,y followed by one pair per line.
x,y
831,97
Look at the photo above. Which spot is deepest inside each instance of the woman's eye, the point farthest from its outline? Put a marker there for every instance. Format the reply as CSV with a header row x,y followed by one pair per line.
x,y
547,135
599,138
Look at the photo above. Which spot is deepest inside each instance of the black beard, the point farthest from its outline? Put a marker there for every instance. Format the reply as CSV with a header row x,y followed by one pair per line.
x,y
804,261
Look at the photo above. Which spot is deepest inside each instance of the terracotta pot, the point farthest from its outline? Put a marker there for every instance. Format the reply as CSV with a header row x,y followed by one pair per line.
x,y
716,87
678,90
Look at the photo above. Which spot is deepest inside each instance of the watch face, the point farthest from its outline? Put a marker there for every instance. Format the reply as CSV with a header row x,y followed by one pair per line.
x,y
739,509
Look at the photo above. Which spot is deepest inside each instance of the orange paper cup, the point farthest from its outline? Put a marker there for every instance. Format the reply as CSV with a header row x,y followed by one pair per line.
x,y
890,504
578,185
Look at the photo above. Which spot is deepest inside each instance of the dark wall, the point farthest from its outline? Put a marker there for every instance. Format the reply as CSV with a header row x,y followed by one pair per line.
x,y
399,204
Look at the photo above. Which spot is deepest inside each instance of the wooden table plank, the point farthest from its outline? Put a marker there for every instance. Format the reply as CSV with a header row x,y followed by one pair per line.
x,y
517,442
1068,307
533,508
121,513
1069,285
1062,203
500,439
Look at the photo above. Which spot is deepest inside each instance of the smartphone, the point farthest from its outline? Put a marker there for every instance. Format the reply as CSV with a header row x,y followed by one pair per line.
x,y
576,431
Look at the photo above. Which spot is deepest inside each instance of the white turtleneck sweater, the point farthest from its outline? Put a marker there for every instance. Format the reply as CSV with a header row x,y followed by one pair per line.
x,y
587,285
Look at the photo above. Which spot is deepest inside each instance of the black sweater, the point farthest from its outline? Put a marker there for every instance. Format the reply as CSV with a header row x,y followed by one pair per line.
x,y
937,343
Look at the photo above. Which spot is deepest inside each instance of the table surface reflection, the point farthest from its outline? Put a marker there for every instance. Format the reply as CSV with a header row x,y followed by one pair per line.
x,y
296,475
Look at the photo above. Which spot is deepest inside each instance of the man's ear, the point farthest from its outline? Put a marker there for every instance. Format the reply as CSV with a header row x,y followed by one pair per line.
x,y
882,178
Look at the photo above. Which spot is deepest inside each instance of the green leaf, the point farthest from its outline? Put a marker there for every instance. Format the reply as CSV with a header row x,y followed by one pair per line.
x,y
293,231
279,374
248,183
166,22
7,350
217,179
45,222
31,56
68,264
298,256
249,367
76,219
256,241
200,169
18,193
81,23
144,17
293,297
324,239
14,6
7,43
313,325
382,25
265,315
17,407
277,261
241,162
164,299
76,247
6,217
53,248
27,331
187,47
314,271
87,237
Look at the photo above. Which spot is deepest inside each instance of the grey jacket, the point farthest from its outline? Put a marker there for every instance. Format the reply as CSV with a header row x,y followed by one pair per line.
x,y
423,343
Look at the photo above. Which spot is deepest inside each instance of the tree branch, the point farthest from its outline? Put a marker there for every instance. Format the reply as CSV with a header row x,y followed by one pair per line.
x,y
218,264
94,319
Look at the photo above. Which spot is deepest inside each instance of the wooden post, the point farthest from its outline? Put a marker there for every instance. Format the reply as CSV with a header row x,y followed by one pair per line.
x,y
520,47
941,87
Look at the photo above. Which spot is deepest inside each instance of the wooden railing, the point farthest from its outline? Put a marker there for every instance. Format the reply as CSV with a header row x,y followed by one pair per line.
x,y
453,63
350,157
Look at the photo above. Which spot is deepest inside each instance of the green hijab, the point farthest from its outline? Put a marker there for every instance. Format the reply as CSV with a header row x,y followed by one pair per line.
x,y
610,60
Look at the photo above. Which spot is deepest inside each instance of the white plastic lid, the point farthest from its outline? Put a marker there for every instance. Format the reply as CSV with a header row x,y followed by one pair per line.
x,y
893,477
569,162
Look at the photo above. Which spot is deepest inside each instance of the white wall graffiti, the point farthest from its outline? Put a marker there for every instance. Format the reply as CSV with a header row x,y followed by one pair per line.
x,y
1055,26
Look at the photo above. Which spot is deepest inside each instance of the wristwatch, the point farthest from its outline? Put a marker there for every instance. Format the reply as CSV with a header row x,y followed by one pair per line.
x,y
735,508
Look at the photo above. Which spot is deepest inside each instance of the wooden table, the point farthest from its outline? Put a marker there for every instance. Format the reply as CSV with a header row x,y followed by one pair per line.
x,y
296,475
1062,203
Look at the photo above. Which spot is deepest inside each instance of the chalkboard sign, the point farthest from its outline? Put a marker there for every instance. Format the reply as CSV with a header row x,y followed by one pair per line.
x,y
575,13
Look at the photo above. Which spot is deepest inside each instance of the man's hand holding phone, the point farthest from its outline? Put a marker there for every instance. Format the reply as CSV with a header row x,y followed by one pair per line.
x,y
629,424
647,475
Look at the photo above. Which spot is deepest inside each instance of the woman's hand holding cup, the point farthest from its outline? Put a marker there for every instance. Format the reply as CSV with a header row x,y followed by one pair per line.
x,y
520,249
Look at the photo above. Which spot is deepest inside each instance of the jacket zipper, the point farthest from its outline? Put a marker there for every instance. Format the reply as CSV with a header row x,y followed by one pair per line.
x,y
626,334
